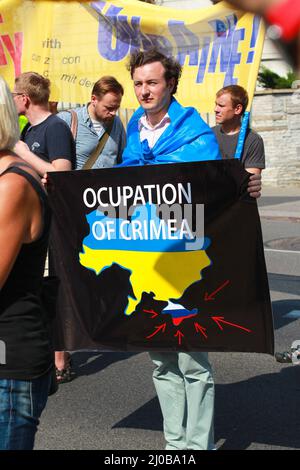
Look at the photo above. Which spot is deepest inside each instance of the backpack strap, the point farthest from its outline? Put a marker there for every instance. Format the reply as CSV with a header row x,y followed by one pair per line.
x,y
74,122
98,149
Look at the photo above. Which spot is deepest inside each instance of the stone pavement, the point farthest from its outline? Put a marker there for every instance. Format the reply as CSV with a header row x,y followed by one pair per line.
x,y
283,203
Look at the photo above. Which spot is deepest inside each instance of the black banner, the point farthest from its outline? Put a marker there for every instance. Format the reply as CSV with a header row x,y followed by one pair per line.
x,y
160,257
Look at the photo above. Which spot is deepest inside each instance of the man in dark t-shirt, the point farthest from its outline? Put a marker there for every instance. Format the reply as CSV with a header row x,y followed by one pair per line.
x,y
50,141
231,103
46,142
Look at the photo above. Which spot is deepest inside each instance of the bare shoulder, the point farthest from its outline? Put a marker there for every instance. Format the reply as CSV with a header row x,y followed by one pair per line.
x,y
12,182
14,190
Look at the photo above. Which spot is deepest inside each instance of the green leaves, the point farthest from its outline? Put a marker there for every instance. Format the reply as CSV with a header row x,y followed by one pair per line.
x,y
269,79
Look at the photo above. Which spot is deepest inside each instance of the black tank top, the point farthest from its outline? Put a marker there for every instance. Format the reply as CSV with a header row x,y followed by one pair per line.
x,y
25,349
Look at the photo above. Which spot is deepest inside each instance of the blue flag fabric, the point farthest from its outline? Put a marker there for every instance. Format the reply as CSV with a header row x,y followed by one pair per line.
x,y
242,136
187,139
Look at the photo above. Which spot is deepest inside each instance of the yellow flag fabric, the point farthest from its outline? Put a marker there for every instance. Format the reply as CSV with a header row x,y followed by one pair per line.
x,y
75,43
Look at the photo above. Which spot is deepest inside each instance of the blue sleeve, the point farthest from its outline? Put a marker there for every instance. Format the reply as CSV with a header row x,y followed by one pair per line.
x,y
65,116
60,142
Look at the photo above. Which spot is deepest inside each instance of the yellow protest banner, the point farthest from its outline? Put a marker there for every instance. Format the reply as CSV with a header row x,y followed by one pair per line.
x,y
75,43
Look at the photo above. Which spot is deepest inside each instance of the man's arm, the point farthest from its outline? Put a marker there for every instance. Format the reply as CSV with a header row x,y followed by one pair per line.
x,y
254,162
254,171
40,165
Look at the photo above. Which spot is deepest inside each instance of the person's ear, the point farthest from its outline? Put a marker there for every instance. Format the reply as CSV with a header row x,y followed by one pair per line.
x,y
27,100
171,84
94,99
238,109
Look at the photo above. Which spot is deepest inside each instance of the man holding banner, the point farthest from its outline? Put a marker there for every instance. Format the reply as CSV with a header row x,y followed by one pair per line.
x,y
162,131
231,104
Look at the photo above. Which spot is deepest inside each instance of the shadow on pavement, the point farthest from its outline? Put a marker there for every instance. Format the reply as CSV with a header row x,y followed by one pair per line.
x,y
284,283
281,308
274,200
88,363
147,416
262,410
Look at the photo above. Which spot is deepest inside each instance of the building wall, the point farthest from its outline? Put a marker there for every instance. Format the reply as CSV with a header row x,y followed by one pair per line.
x,y
273,60
276,117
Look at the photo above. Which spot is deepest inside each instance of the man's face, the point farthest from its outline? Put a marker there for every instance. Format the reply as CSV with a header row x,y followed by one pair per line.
x,y
106,107
224,109
151,88
20,100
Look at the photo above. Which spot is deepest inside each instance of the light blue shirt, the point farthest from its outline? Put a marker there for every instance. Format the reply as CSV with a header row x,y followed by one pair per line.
x,y
87,139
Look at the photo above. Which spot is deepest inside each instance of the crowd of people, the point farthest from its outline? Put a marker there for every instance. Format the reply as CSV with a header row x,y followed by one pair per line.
x,y
93,136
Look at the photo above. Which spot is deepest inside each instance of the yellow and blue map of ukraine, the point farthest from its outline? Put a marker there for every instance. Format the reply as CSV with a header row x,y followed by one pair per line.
x,y
162,260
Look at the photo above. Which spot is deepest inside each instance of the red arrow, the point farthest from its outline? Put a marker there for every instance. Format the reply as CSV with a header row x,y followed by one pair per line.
x,y
200,329
158,328
179,335
208,296
153,313
219,320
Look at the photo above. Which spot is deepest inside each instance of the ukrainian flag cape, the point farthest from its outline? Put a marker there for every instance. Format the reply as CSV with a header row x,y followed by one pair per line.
x,y
187,139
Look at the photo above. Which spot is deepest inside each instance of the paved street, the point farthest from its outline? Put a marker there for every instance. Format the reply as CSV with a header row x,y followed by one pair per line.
x,y
112,403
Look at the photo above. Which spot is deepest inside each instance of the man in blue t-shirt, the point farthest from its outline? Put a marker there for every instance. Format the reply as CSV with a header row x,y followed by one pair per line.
x,y
46,142
47,145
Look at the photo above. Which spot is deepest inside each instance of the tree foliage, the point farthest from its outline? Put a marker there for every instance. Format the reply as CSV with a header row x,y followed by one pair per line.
x,y
269,79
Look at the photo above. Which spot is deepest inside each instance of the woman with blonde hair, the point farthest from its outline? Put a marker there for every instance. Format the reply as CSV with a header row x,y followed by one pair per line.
x,y
26,357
